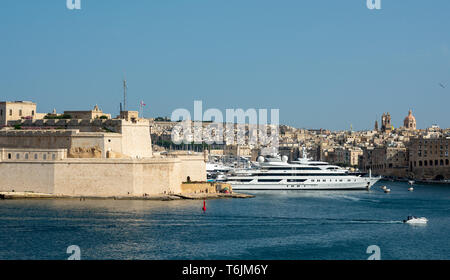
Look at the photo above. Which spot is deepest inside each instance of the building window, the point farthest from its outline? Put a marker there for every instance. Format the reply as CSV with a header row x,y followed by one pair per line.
x,y
10,112
442,162
446,162
44,156
53,156
20,112
17,156
35,156
1,112
9,156
26,156
425,163
32,113
431,162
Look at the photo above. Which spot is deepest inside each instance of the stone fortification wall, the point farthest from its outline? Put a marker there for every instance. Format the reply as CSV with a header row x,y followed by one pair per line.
x,y
90,139
97,177
193,166
36,139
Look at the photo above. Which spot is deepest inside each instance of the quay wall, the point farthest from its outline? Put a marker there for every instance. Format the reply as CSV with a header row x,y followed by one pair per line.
x,y
193,188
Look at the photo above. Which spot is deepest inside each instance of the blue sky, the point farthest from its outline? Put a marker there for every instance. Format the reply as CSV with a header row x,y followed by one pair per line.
x,y
323,63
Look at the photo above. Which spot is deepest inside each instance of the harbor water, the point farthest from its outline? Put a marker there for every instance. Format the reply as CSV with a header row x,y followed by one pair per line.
x,y
294,225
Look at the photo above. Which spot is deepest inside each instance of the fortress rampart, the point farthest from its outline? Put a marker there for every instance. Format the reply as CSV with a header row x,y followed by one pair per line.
x,y
91,157
99,177
82,138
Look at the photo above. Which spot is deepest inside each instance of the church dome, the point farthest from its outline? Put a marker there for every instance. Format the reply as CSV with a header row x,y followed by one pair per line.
x,y
410,117
410,121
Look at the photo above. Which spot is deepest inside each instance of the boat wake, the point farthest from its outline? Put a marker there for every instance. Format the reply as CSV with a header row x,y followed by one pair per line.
x,y
344,221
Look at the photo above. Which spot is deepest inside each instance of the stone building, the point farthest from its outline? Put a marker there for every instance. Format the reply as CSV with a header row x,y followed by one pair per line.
x,y
96,113
292,151
237,150
429,158
16,110
385,160
344,156
129,115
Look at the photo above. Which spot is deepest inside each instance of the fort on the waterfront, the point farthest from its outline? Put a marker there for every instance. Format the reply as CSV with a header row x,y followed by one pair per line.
x,y
89,155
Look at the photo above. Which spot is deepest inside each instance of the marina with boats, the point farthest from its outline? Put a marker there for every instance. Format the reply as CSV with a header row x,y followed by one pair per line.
x,y
274,172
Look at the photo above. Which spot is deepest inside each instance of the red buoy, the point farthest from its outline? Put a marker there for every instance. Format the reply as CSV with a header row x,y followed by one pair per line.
x,y
204,206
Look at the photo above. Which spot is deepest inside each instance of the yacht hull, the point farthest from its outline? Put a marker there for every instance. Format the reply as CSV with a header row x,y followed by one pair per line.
x,y
361,185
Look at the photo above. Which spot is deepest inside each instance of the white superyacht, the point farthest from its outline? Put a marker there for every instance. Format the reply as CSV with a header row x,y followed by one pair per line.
x,y
304,174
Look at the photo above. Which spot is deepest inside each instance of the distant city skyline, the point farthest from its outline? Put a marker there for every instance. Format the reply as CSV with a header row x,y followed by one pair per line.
x,y
324,64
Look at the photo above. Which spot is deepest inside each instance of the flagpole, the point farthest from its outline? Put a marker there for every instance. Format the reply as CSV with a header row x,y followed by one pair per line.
x,y
141,106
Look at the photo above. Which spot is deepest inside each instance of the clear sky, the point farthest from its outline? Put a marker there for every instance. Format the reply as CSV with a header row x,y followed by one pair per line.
x,y
323,63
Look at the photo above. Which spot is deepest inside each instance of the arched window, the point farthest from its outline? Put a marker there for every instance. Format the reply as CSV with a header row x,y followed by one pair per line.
x,y
420,163
442,162
17,156
431,162
446,162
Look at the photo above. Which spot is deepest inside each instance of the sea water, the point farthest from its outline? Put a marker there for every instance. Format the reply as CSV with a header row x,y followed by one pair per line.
x,y
293,225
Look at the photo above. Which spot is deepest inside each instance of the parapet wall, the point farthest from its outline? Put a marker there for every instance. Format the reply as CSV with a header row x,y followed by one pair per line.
x,y
84,125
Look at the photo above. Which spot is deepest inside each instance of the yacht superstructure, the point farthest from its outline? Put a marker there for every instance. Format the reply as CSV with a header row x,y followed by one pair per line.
x,y
304,174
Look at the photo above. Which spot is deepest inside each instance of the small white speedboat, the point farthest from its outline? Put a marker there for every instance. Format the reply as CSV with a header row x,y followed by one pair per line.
x,y
411,189
415,220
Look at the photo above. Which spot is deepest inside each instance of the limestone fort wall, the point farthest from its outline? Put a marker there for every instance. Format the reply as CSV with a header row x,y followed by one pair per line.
x,y
98,177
